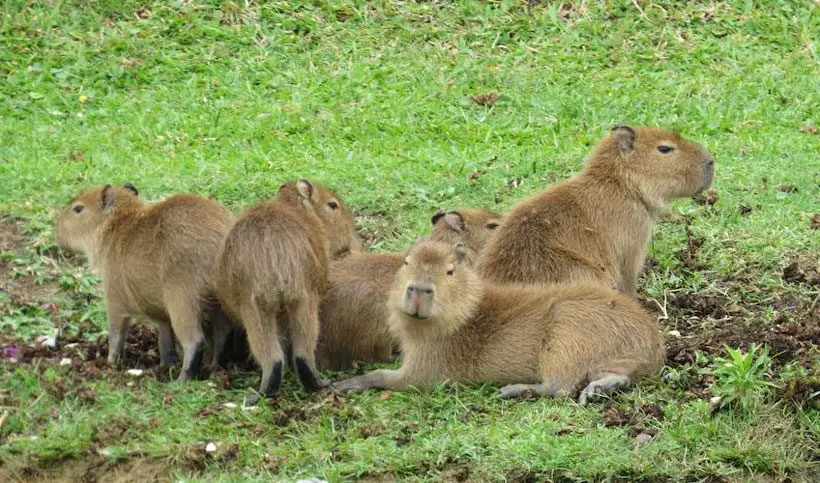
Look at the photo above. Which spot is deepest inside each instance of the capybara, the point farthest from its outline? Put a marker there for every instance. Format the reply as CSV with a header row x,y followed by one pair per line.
x,y
550,340
272,274
155,259
597,224
353,314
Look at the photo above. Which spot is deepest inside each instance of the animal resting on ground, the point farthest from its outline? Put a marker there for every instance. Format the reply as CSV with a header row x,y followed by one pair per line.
x,y
548,340
155,260
272,274
353,314
596,225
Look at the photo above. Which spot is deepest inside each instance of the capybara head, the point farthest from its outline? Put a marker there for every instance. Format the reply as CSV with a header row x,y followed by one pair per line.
x,y
472,227
661,163
336,219
77,225
435,286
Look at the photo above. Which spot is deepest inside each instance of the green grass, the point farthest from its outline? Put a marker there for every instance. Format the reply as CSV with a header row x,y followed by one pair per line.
x,y
372,98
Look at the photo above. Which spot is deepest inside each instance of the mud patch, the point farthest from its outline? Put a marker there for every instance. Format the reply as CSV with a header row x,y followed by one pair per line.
x,y
88,357
21,285
375,227
707,322
92,470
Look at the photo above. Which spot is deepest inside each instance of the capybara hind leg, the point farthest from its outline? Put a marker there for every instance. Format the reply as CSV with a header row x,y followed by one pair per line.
x,y
167,345
605,383
263,337
184,314
524,390
118,322
304,334
222,329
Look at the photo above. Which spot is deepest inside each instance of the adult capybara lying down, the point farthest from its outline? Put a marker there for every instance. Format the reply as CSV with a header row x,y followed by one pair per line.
x,y
353,314
545,340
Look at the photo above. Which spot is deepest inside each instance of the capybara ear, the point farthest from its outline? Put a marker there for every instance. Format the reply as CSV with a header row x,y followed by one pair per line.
x,y
437,216
304,188
455,220
130,187
461,252
624,138
109,194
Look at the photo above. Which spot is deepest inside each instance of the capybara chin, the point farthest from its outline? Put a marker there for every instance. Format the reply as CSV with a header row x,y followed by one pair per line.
x,y
272,274
154,259
549,340
353,314
596,225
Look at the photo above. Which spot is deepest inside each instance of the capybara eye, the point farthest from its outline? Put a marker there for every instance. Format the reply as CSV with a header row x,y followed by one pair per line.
x,y
333,205
492,226
450,273
78,209
665,149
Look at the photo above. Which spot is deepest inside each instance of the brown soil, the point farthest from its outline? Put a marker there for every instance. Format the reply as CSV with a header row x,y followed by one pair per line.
x,y
22,289
92,470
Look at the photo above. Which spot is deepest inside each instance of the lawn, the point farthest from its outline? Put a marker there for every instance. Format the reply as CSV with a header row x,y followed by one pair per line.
x,y
388,103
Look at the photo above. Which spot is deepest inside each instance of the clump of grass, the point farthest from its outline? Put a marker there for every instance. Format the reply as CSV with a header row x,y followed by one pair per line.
x,y
742,380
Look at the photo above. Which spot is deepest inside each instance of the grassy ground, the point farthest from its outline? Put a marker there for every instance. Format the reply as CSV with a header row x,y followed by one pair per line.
x,y
228,99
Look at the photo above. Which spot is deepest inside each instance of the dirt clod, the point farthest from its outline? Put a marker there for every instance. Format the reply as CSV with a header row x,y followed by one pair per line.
x,y
815,222
786,188
486,100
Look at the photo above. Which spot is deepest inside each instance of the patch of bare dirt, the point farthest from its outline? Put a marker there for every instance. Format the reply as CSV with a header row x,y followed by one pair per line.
x,y
92,470
23,289
374,227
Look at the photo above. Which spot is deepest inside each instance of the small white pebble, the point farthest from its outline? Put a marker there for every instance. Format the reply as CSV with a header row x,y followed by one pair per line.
x,y
250,408
13,360
675,334
106,452
714,400
311,480
135,372
47,341
80,115
229,405
210,448
211,384
65,361
71,346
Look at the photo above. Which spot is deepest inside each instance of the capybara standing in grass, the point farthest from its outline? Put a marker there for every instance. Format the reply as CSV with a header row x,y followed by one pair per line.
x,y
155,259
597,224
272,274
549,340
354,312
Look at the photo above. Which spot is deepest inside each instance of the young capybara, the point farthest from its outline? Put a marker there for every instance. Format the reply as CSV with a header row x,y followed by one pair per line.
x,y
353,314
597,224
272,274
545,340
155,259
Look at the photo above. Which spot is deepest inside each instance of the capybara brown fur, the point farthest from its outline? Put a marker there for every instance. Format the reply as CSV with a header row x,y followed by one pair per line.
x,y
353,314
597,224
155,260
549,340
272,274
